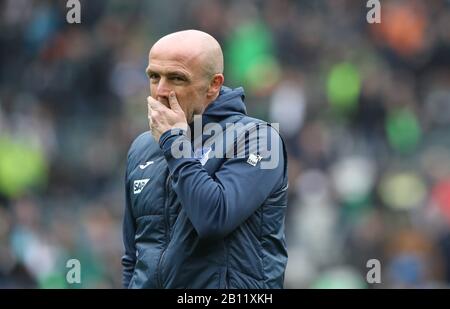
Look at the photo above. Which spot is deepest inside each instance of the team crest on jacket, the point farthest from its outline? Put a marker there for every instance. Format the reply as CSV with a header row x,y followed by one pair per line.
x,y
253,159
202,154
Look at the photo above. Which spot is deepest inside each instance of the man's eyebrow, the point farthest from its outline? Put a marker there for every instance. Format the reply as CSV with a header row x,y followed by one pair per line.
x,y
148,71
179,73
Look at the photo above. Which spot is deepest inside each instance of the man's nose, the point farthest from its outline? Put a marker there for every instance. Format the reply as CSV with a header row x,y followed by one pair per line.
x,y
163,90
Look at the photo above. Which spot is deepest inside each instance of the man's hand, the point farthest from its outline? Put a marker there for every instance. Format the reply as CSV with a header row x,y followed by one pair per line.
x,y
162,119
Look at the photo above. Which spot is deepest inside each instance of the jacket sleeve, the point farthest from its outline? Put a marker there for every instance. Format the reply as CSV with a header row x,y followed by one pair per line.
x,y
129,258
218,204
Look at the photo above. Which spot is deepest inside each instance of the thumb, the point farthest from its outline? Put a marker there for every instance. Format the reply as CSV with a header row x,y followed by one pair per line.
x,y
173,102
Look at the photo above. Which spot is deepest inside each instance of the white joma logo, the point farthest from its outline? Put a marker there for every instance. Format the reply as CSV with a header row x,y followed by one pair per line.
x,y
144,166
139,185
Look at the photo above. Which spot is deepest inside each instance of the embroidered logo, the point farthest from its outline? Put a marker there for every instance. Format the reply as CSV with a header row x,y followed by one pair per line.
x,y
139,185
202,154
253,159
144,166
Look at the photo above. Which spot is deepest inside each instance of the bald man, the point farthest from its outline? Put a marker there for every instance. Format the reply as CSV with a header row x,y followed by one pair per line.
x,y
203,209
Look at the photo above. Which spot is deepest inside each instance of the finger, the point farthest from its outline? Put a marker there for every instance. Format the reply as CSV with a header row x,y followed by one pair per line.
x,y
149,114
174,105
149,108
149,102
154,104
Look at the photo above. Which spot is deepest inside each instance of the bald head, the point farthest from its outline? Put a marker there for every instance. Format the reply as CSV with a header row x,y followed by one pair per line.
x,y
191,46
189,63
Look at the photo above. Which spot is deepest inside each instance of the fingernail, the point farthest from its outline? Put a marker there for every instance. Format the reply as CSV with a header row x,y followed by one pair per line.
x,y
172,94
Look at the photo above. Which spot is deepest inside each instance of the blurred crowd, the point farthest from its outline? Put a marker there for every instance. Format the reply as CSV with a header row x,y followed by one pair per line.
x,y
364,109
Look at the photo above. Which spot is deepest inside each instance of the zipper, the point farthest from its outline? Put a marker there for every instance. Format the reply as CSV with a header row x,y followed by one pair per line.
x,y
167,226
226,263
226,278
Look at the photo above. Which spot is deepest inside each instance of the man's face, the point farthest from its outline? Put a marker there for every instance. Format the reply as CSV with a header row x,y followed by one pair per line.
x,y
169,71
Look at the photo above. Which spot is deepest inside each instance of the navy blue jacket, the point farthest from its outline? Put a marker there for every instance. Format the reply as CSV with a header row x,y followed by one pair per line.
x,y
207,221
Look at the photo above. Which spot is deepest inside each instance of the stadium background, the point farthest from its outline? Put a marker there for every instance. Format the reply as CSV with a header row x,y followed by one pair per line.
x,y
365,110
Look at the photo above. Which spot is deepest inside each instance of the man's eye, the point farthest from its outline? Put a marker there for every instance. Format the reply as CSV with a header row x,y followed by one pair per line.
x,y
178,78
153,76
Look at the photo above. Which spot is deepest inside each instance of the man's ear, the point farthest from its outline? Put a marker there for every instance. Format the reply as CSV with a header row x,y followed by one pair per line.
x,y
215,84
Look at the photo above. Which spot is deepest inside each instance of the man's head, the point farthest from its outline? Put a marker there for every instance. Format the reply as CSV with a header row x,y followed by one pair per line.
x,y
190,63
